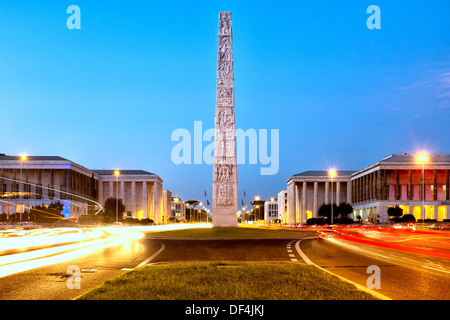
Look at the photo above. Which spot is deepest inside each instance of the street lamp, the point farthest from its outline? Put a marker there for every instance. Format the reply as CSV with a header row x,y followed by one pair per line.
x,y
117,174
422,158
332,174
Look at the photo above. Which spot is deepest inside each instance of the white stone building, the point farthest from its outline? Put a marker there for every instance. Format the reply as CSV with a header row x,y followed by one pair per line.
x,y
141,192
282,205
308,190
41,180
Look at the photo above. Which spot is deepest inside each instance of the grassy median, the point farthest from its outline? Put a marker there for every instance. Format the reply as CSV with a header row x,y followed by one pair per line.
x,y
226,281
231,233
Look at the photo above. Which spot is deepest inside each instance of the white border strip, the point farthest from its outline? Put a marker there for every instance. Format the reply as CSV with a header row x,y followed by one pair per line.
x,y
153,256
360,287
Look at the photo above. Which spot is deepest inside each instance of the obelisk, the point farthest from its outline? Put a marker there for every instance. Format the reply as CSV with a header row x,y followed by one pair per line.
x,y
225,201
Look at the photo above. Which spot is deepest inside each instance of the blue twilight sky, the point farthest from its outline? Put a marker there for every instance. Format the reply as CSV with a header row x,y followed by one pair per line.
x,y
110,94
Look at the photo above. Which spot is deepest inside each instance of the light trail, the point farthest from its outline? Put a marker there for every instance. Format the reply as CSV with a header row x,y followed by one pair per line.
x,y
63,244
392,251
19,262
57,190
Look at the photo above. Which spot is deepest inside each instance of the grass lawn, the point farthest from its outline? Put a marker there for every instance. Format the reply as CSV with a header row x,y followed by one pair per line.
x,y
226,281
230,233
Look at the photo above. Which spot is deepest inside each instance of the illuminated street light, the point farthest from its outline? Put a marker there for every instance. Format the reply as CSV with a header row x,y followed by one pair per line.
x,y
332,174
422,158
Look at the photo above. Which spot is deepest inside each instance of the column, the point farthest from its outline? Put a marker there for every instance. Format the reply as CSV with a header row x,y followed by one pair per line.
x,y
447,187
157,202
145,201
349,191
298,203
409,191
315,209
111,189
303,201
290,215
435,193
133,199
327,192
397,185
338,193
100,192
122,191
57,183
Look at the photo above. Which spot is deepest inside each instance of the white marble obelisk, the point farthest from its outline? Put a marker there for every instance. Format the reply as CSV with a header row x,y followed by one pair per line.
x,y
225,201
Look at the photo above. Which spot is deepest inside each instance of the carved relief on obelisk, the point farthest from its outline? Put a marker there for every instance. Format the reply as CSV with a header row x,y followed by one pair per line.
x,y
225,203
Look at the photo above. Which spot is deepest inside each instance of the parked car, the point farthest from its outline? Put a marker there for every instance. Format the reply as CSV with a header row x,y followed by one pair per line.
x,y
26,225
4,226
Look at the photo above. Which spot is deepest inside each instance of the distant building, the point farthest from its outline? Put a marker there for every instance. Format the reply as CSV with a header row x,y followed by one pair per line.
x,y
178,210
41,180
167,205
271,210
282,205
308,190
397,180
394,181
140,191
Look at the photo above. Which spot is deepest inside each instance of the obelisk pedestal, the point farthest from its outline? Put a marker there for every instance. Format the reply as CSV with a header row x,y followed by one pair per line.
x,y
225,202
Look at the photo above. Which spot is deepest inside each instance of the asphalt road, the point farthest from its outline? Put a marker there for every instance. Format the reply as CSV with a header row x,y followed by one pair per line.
x,y
50,282
403,276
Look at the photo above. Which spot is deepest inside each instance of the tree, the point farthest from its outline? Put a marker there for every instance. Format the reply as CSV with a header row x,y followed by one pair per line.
x,y
344,209
45,214
109,209
325,211
408,218
395,213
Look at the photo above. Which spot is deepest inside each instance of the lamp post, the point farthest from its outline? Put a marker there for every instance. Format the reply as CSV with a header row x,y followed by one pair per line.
x,y
422,158
332,174
192,204
117,174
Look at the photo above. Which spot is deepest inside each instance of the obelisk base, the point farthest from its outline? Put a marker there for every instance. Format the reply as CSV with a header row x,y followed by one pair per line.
x,y
225,217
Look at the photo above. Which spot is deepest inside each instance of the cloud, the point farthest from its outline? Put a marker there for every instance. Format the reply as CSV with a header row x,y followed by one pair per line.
x,y
421,91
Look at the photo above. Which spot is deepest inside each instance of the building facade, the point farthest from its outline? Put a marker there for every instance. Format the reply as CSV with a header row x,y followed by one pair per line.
x,y
31,181
271,210
282,205
308,190
178,210
40,180
394,181
397,181
140,191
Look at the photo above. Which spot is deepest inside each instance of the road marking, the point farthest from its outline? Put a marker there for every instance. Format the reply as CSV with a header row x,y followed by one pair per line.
x,y
289,250
153,256
360,287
